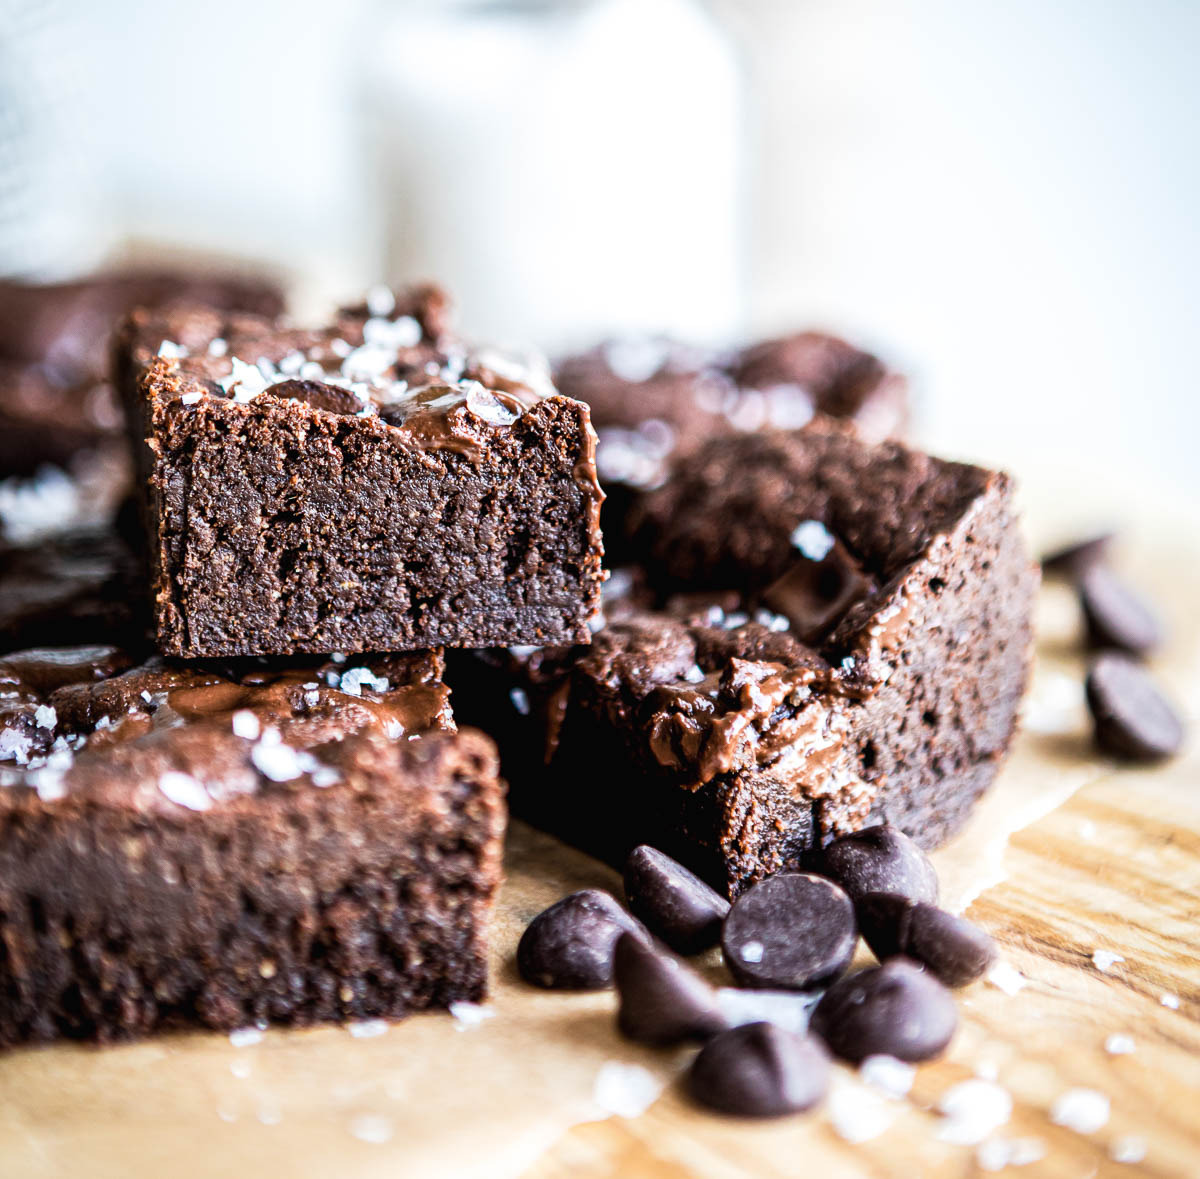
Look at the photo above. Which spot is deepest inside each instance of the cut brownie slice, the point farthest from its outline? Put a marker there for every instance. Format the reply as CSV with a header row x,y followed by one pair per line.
x,y
936,626
224,845
369,486
863,654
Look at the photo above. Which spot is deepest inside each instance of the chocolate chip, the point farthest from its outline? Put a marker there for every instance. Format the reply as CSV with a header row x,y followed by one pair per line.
x,y
319,395
662,1001
672,902
1116,616
1132,718
819,587
792,932
759,1070
896,1009
1075,559
570,945
881,859
955,949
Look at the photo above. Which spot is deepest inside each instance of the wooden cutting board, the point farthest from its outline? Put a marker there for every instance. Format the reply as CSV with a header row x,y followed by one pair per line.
x,y
1067,856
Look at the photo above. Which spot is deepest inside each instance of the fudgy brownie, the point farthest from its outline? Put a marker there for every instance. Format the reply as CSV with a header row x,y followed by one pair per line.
x,y
653,399
229,844
368,486
63,458
839,633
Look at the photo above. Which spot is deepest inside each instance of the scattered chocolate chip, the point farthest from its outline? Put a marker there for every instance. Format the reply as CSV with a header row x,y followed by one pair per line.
x,y
1132,718
820,586
896,1009
570,945
672,902
955,949
1075,559
662,1001
319,395
759,1070
1115,615
881,859
792,931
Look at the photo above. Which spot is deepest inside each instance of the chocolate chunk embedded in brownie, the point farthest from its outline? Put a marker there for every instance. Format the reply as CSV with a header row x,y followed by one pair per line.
x,y
356,488
219,845
739,739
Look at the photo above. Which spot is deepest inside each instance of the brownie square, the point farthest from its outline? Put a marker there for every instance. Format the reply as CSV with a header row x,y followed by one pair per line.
x,y
227,844
372,485
822,634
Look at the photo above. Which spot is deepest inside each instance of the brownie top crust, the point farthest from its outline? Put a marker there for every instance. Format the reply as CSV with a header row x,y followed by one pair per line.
x,y
654,398
394,358
708,691
743,511
82,725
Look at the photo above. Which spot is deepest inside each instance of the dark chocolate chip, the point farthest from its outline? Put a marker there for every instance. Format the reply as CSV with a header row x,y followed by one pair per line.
x,y
570,945
1115,615
319,395
759,1070
792,932
955,949
1132,718
672,902
662,1001
1075,559
881,859
819,587
896,1009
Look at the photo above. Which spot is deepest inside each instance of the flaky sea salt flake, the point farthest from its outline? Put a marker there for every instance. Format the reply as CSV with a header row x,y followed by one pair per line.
x,y
184,790
1083,1110
627,1090
972,1110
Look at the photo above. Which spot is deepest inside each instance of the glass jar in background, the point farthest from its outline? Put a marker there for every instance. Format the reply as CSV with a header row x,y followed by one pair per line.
x,y
570,168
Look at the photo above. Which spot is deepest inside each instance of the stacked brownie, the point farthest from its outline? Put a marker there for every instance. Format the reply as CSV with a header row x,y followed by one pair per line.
x,y
205,817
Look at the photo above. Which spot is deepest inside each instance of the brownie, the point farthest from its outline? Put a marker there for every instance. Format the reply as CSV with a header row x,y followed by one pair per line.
x,y
372,485
64,461
228,844
652,399
827,634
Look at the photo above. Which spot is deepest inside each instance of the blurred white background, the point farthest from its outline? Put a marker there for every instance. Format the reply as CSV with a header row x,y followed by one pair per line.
x,y
1001,198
